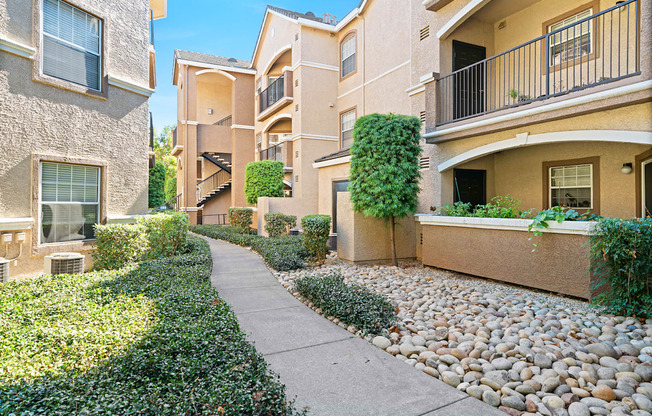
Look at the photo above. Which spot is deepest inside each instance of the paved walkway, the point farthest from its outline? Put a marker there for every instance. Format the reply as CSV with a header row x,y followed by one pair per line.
x,y
330,371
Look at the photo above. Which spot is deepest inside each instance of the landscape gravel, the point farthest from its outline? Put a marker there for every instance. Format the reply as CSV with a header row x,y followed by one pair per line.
x,y
524,351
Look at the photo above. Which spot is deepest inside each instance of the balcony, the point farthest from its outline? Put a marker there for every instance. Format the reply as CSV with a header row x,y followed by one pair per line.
x,y
214,138
177,146
599,49
281,152
276,96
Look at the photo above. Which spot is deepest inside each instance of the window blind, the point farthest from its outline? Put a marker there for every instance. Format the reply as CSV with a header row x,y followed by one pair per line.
x,y
348,56
348,121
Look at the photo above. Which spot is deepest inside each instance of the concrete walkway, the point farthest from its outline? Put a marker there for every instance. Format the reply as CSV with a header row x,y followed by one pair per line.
x,y
330,371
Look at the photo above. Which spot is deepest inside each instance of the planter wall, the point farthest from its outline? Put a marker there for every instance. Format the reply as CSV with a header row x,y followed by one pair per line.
x,y
499,249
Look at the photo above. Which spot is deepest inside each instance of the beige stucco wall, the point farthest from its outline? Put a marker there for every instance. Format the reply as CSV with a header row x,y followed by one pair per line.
x,y
327,176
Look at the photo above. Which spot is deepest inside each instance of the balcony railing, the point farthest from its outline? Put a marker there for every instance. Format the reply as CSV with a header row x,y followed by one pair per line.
x,y
226,121
174,138
274,92
595,50
273,153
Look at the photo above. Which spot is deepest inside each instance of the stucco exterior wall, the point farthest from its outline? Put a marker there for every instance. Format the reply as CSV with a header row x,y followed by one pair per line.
x,y
327,176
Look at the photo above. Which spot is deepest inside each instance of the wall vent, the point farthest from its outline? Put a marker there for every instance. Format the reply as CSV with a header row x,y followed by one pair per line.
x,y
424,162
424,32
4,270
422,116
502,25
64,263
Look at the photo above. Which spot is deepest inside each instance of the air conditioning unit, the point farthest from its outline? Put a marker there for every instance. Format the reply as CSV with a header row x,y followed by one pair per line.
x,y
64,263
4,270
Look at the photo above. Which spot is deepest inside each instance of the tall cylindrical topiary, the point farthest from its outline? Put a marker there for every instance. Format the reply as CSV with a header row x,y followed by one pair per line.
x,y
264,178
316,229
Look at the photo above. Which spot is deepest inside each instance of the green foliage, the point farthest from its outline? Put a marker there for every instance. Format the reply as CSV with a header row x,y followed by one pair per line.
x,y
280,253
166,233
316,229
170,188
621,258
263,178
240,218
278,224
118,245
499,207
385,165
352,304
149,339
156,185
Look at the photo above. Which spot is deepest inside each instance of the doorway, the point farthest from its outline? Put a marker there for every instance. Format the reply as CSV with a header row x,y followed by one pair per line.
x,y
470,185
646,188
468,86
338,186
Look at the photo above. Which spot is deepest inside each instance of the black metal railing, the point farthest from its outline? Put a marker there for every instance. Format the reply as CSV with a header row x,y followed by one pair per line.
x,y
600,48
274,152
151,27
174,138
273,93
216,219
212,184
226,121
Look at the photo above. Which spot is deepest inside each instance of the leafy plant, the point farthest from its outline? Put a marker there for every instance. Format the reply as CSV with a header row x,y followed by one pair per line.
x,y
156,196
263,178
166,233
240,218
621,259
352,304
385,168
118,245
316,229
278,224
170,188
499,207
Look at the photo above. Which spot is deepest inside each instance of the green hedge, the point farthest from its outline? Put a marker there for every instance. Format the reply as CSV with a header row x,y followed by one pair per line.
x,y
241,218
166,232
263,178
280,253
156,196
151,339
621,252
316,229
352,304
278,224
170,188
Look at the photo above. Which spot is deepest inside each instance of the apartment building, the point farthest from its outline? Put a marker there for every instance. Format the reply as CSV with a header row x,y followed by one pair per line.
x,y
75,79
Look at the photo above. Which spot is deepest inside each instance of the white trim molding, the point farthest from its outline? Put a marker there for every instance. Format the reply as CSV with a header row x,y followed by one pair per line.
x,y
215,71
332,162
384,74
190,122
15,224
275,119
16,48
508,224
130,86
213,66
274,57
572,102
525,139
316,65
242,127
313,137
123,219
460,17
417,89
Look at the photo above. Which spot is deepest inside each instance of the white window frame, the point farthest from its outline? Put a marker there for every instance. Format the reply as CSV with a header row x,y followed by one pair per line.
x,y
551,189
350,38
40,199
75,46
342,130
565,36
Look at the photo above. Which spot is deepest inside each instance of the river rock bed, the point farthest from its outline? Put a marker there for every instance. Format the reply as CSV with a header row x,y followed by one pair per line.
x,y
523,351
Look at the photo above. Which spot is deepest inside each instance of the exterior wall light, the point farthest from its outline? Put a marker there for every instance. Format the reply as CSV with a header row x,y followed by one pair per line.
x,y
210,111
626,169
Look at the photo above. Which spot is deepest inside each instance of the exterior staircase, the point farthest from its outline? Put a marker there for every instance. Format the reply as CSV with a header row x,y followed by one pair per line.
x,y
218,182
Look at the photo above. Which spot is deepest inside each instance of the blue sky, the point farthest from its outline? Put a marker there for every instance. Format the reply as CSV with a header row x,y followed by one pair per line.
x,y
217,27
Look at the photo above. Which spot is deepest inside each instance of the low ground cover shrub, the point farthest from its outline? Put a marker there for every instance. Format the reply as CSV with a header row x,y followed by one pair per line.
x,y
278,224
240,218
621,258
352,304
150,339
263,178
316,229
281,253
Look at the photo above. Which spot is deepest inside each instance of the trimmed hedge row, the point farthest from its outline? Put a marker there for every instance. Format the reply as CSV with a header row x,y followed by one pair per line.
x,y
241,218
278,224
352,304
189,358
281,253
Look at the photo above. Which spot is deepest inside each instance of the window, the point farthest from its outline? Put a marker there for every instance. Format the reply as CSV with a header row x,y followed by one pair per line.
x,y
71,44
69,202
348,55
571,186
347,120
573,42
259,85
259,142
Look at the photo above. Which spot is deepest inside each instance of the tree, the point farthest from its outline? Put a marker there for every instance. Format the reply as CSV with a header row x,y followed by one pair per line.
x,y
264,178
156,185
385,168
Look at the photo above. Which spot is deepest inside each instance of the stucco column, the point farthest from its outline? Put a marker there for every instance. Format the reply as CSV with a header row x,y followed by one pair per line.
x,y
243,135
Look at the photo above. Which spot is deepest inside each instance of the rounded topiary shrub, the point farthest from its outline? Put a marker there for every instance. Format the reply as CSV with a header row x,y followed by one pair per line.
x,y
316,229
240,218
264,178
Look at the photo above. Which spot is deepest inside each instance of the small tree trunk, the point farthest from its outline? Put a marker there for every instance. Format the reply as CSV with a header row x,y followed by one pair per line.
x,y
392,238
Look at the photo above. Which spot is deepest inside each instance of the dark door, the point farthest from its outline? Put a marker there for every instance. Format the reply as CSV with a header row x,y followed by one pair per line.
x,y
338,186
468,86
470,185
647,190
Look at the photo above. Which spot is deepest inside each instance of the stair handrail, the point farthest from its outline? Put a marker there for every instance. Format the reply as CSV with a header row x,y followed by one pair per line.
x,y
212,183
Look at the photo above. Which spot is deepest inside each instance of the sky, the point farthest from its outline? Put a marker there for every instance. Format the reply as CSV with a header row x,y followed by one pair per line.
x,y
217,27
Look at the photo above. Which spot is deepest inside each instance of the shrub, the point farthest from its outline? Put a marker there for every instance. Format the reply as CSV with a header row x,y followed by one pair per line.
x,y
278,224
240,218
316,229
156,196
621,258
166,233
170,188
152,339
350,303
499,207
280,253
118,245
263,178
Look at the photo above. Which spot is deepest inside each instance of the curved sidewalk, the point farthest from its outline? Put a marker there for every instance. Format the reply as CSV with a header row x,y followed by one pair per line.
x,y
329,370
